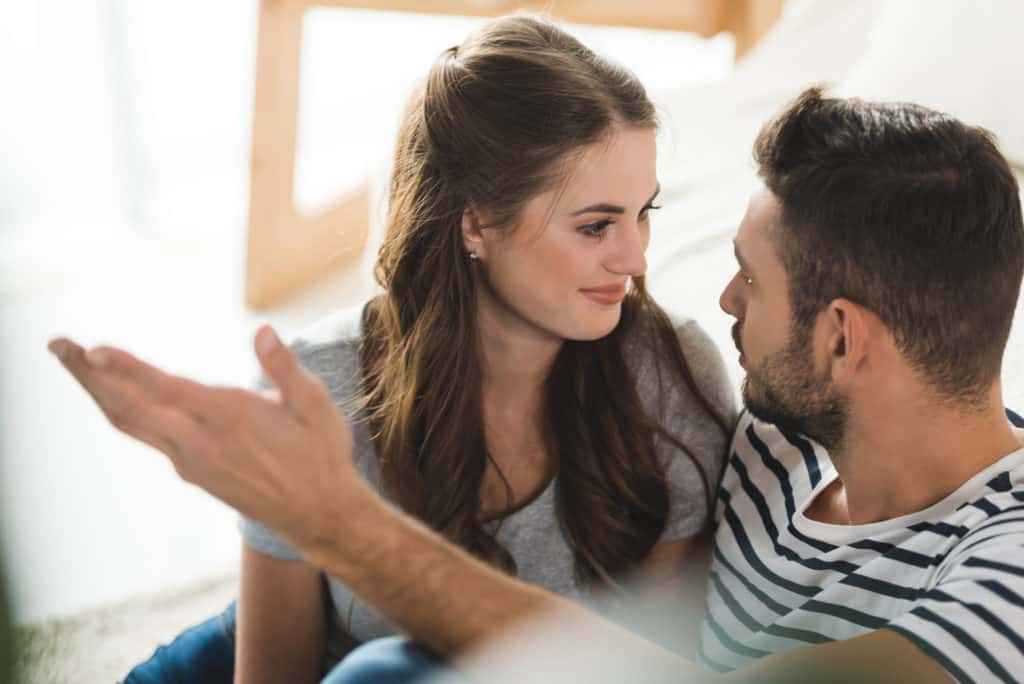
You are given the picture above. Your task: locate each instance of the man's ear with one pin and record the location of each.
(847, 338)
(472, 233)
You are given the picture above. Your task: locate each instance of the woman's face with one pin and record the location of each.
(563, 271)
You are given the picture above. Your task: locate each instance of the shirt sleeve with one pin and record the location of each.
(329, 350)
(972, 622)
(255, 535)
(263, 539)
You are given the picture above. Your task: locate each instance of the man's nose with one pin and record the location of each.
(730, 300)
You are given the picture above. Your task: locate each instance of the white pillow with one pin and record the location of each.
(963, 58)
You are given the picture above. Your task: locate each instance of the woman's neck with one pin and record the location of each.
(515, 356)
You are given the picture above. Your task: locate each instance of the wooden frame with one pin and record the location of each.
(287, 250)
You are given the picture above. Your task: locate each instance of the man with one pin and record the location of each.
(880, 267)
(879, 271)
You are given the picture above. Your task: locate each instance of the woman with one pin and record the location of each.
(515, 387)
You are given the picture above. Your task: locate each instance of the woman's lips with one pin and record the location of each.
(612, 294)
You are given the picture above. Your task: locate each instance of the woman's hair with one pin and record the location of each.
(498, 121)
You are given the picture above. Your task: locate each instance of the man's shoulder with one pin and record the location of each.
(771, 469)
(758, 443)
(990, 514)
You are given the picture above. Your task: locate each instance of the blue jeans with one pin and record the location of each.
(206, 653)
(392, 660)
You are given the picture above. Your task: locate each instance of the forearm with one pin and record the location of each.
(881, 656)
(453, 603)
(242, 448)
(281, 623)
(667, 598)
(439, 594)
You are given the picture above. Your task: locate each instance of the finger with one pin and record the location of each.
(95, 368)
(72, 357)
(167, 430)
(300, 391)
(194, 398)
(164, 427)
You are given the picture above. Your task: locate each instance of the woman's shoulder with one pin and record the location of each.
(694, 342)
(330, 343)
(691, 335)
(340, 327)
(701, 356)
(329, 348)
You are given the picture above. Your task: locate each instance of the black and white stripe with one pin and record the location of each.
(949, 578)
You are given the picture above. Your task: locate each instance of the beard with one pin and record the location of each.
(785, 389)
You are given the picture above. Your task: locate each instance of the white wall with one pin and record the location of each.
(91, 516)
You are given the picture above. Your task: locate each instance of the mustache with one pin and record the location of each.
(736, 336)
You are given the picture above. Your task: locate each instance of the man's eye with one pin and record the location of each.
(596, 229)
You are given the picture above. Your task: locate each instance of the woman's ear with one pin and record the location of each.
(472, 233)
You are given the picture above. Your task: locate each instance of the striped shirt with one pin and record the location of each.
(949, 578)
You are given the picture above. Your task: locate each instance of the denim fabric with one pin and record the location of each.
(204, 653)
(391, 660)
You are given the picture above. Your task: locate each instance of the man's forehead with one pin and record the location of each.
(763, 212)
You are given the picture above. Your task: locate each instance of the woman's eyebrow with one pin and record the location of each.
(601, 208)
(611, 208)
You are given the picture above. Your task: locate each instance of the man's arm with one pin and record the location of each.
(285, 460)
(881, 656)
(440, 595)
(454, 604)
(666, 598)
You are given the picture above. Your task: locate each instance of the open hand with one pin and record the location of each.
(282, 458)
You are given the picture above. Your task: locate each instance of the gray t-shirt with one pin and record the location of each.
(531, 534)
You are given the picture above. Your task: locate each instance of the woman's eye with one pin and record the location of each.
(596, 229)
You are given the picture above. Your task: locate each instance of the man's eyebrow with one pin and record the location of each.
(739, 257)
(612, 208)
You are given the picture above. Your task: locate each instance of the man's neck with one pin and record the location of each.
(903, 457)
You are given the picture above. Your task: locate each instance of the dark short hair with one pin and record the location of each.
(911, 214)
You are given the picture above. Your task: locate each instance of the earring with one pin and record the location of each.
(473, 256)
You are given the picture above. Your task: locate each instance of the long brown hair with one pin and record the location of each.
(496, 123)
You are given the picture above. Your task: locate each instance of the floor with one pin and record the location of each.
(102, 645)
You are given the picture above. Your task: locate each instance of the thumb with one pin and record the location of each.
(299, 390)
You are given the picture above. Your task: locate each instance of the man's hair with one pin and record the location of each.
(911, 214)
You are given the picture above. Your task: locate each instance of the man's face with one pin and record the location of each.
(783, 383)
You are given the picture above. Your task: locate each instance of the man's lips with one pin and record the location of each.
(609, 294)
(739, 345)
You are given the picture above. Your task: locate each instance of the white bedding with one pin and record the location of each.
(707, 171)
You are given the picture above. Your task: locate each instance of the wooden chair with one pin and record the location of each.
(287, 250)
